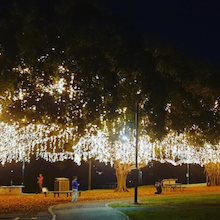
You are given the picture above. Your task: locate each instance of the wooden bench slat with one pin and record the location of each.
(59, 192)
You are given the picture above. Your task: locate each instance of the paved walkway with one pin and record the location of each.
(92, 210)
(97, 210)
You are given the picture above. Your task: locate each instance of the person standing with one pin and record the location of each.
(40, 182)
(75, 189)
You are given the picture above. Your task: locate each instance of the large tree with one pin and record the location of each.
(72, 40)
(191, 98)
(68, 61)
(188, 89)
(71, 64)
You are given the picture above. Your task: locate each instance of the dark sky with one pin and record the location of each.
(193, 26)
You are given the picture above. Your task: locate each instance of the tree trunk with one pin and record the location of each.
(212, 171)
(122, 171)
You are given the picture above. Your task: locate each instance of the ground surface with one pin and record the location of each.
(33, 203)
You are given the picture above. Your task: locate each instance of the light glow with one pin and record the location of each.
(20, 143)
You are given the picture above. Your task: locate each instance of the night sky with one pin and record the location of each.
(192, 26)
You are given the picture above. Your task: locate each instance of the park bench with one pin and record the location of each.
(172, 184)
(67, 192)
(58, 193)
(177, 186)
(110, 185)
(62, 192)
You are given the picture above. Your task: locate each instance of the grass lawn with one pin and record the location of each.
(177, 207)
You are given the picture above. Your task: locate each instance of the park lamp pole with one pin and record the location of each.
(136, 155)
(22, 174)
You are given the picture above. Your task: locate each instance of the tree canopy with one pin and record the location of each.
(74, 41)
(72, 76)
(189, 94)
(71, 64)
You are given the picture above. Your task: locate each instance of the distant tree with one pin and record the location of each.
(212, 174)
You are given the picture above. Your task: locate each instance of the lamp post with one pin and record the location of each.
(125, 138)
(22, 174)
(187, 173)
(90, 175)
(136, 155)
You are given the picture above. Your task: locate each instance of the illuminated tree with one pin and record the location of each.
(191, 98)
(67, 70)
(53, 143)
(212, 174)
(74, 41)
(73, 69)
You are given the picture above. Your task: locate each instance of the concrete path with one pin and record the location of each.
(97, 210)
(34, 216)
(92, 210)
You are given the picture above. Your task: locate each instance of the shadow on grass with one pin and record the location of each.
(189, 207)
(177, 214)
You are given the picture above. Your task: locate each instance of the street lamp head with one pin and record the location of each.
(124, 138)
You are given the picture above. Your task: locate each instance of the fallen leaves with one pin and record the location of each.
(33, 203)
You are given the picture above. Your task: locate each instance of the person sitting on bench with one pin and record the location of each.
(158, 186)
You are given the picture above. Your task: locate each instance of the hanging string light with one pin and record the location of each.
(55, 143)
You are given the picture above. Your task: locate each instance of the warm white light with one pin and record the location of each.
(19, 143)
(105, 143)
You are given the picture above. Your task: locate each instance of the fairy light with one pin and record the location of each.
(21, 70)
(73, 101)
(19, 143)
(215, 107)
(58, 86)
(168, 107)
(62, 69)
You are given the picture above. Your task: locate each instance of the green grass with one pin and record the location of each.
(176, 214)
(175, 208)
